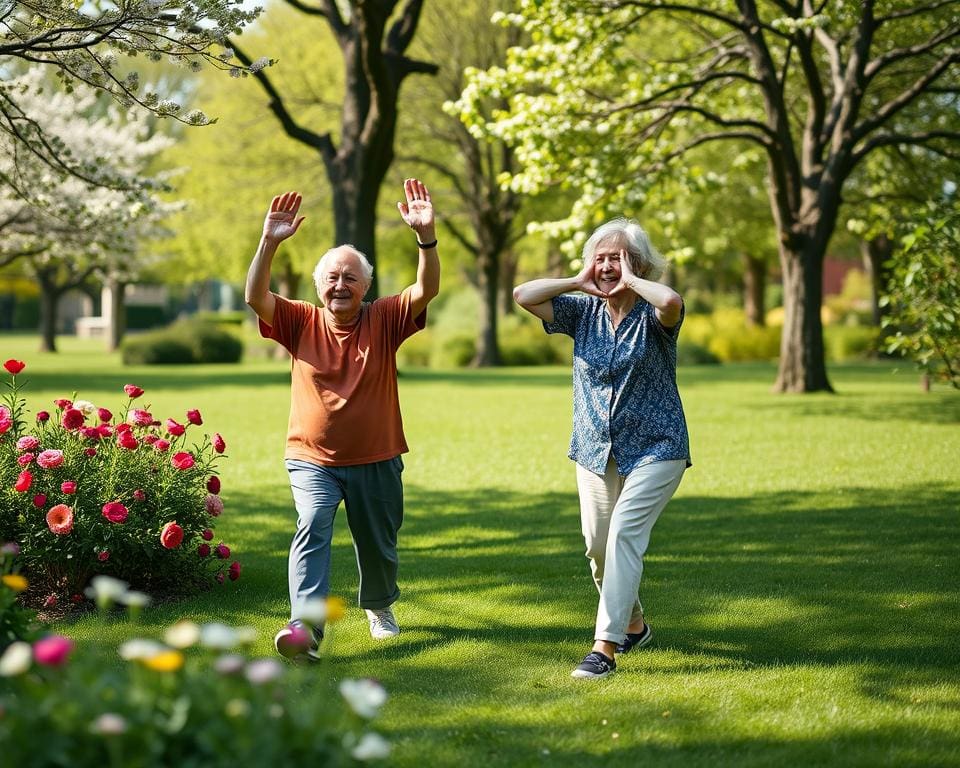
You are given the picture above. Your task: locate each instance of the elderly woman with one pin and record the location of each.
(629, 433)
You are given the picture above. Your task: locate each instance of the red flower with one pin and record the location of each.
(90, 452)
(223, 551)
(203, 550)
(52, 651)
(139, 495)
(68, 487)
(150, 439)
(128, 441)
(122, 427)
(213, 484)
(50, 459)
(6, 419)
(171, 535)
(43, 416)
(220, 577)
(133, 391)
(141, 417)
(51, 601)
(115, 512)
(234, 571)
(105, 430)
(104, 415)
(76, 599)
(25, 458)
(60, 519)
(174, 428)
(91, 433)
(182, 460)
(206, 534)
(72, 418)
(218, 443)
(103, 555)
(24, 481)
(62, 403)
(193, 416)
(39, 500)
(14, 366)
(161, 445)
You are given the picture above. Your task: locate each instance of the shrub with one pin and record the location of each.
(726, 335)
(524, 342)
(210, 344)
(157, 348)
(689, 353)
(186, 341)
(84, 492)
(16, 621)
(195, 699)
(850, 342)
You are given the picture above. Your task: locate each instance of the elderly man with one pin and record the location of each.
(345, 434)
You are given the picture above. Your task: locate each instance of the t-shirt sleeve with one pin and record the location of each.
(668, 334)
(567, 311)
(289, 318)
(398, 317)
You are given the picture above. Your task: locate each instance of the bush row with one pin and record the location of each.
(186, 341)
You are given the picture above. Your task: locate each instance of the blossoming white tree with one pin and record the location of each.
(64, 232)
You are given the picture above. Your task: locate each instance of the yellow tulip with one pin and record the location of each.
(15, 581)
(165, 661)
(336, 609)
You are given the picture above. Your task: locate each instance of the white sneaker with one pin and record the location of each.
(383, 624)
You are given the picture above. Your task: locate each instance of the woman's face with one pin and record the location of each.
(606, 265)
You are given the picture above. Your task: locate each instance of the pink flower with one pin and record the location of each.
(223, 551)
(28, 443)
(68, 487)
(171, 535)
(52, 651)
(6, 419)
(193, 416)
(206, 534)
(150, 439)
(213, 484)
(14, 366)
(10, 548)
(203, 550)
(218, 443)
(213, 504)
(50, 459)
(39, 500)
(234, 571)
(128, 441)
(43, 416)
(51, 601)
(91, 433)
(161, 445)
(122, 427)
(141, 417)
(62, 403)
(104, 415)
(25, 458)
(103, 555)
(60, 519)
(133, 391)
(139, 495)
(174, 428)
(220, 577)
(90, 452)
(105, 430)
(115, 512)
(72, 418)
(182, 460)
(24, 481)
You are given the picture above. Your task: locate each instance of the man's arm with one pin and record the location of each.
(280, 223)
(417, 213)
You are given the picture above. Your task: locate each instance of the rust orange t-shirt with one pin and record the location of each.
(344, 404)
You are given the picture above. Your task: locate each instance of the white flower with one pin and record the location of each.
(365, 697)
(106, 590)
(134, 599)
(259, 64)
(16, 659)
(139, 649)
(218, 636)
(246, 635)
(372, 746)
(314, 611)
(109, 724)
(183, 634)
(229, 663)
(263, 671)
(86, 406)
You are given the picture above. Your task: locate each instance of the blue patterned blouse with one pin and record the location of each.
(625, 397)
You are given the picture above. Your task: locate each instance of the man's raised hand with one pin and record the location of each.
(417, 212)
(282, 220)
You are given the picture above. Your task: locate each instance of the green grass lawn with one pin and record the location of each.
(802, 585)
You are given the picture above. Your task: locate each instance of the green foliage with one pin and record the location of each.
(196, 698)
(851, 342)
(17, 622)
(690, 353)
(923, 297)
(186, 341)
(85, 492)
(726, 335)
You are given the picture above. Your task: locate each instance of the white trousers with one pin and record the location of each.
(617, 515)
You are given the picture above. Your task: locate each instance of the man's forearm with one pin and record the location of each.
(258, 275)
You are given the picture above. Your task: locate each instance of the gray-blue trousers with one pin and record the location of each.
(373, 497)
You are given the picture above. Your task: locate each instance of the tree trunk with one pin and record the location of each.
(49, 302)
(488, 277)
(802, 362)
(876, 254)
(113, 307)
(289, 284)
(508, 278)
(754, 289)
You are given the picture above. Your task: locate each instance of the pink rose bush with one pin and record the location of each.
(87, 489)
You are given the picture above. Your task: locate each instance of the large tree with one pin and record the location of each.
(612, 92)
(373, 37)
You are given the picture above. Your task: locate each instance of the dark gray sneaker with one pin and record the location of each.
(636, 640)
(594, 666)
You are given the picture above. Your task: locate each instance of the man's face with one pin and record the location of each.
(343, 284)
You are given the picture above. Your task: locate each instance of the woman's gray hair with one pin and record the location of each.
(365, 266)
(645, 260)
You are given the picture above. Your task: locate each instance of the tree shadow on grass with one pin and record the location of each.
(155, 379)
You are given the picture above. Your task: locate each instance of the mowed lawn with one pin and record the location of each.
(802, 585)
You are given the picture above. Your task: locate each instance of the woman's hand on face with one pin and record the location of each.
(586, 281)
(626, 275)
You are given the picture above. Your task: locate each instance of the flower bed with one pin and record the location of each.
(85, 492)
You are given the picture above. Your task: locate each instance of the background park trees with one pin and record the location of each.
(817, 87)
